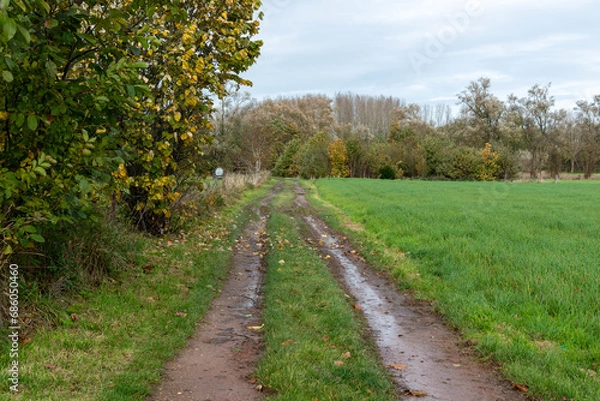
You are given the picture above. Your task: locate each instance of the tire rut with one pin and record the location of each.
(219, 360)
(421, 353)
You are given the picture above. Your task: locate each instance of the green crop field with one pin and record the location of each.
(514, 266)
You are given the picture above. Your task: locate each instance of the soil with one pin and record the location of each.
(425, 358)
(218, 363)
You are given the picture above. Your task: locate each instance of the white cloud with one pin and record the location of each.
(326, 46)
(514, 48)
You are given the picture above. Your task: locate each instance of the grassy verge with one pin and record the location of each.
(514, 266)
(112, 344)
(314, 349)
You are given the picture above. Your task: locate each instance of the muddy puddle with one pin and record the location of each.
(421, 353)
(218, 363)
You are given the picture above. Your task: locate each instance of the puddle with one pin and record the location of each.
(428, 362)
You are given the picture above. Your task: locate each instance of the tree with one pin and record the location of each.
(535, 120)
(68, 81)
(338, 158)
(109, 97)
(483, 113)
(314, 162)
(588, 116)
(195, 49)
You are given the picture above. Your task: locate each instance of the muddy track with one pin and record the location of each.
(423, 356)
(218, 363)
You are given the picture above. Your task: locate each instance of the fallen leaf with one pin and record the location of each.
(74, 317)
(347, 355)
(521, 387)
(288, 342)
(180, 314)
(255, 328)
(282, 262)
(338, 363)
(398, 367)
(417, 393)
(357, 307)
(50, 366)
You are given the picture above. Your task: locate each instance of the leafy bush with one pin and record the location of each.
(387, 173)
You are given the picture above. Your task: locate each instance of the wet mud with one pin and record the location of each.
(422, 354)
(218, 363)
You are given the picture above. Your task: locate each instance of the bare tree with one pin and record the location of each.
(534, 118)
(588, 118)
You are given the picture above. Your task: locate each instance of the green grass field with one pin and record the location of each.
(515, 266)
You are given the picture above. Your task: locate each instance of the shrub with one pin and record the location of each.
(387, 173)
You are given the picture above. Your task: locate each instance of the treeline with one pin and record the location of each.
(384, 137)
(109, 104)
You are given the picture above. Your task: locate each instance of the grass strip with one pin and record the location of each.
(118, 337)
(314, 348)
(513, 265)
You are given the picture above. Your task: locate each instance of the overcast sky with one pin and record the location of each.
(428, 50)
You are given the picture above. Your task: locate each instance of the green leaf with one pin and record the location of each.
(32, 122)
(44, 5)
(8, 250)
(37, 238)
(24, 33)
(4, 4)
(8, 76)
(20, 120)
(40, 171)
(20, 4)
(130, 90)
(29, 229)
(139, 64)
(51, 68)
(9, 29)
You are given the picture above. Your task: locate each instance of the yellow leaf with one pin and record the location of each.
(177, 116)
(3, 115)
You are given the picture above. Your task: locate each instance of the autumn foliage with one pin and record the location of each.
(104, 101)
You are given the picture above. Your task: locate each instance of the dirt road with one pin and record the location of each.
(218, 363)
(423, 355)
